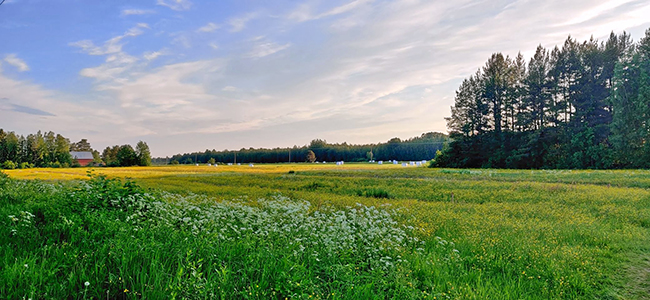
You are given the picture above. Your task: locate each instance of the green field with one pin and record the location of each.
(307, 231)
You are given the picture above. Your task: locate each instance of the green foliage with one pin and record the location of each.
(579, 106)
(9, 165)
(448, 233)
(374, 193)
(418, 148)
(75, 164)
(143, 154)
(125, 155)
(25, 165)
(83, 145)
(34, 149)
(127, 243)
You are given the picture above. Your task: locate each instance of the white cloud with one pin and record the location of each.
(117, 62)
(229, 88)
(128, 12)
(366, 71)
(264, 48)
(151, 55)
(112, 45)
(238, 24)
(18, 63)
(181, 39)
(210, 27)
(178, 5)
(303, 12)
(27, 107)
(595, 11)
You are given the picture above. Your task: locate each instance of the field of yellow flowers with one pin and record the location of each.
(322, 231)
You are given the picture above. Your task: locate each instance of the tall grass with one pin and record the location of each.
(321, 233)
(128, 243)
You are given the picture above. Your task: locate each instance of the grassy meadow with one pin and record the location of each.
(321, 231)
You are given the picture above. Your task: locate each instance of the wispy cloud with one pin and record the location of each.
(178, 5)
(264, 48)
(361, 71)
(239, 23)
(181, 39)
(18, 63)
(112, 45)
(151, 55)
(304, 11)
(117, 61)
(34, 108)
(210, 27)
(129, 12)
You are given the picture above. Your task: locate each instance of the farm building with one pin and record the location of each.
(83, 157)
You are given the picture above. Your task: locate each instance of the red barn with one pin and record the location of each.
(84, 158)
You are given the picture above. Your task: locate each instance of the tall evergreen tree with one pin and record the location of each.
(538, 94)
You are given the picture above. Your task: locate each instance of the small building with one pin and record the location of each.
(83, 157)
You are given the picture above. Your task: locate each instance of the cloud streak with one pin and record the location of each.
(239, 23)
(210, 27)
(177, 5)
(129, 12)
(16, 62)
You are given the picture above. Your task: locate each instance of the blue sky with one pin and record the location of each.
(189, 75)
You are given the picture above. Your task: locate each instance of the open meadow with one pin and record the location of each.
(322, 231)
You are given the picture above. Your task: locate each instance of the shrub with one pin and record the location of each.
(75, 164)
(25, 165)
(9, 165)
(374, 193)
(55, 164)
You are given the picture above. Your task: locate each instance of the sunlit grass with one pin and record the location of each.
(502, 234)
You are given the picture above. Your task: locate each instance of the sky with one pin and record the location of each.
(190, 75)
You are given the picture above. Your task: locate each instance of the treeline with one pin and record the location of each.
(125, 155)
(52, 150)
(584, 105)
(423, 147)
(34, 150)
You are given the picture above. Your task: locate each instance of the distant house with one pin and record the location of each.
(83, 157)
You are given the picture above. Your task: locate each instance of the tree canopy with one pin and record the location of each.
(34, 150)
(423, 147)
(581, 105)
(125, 155)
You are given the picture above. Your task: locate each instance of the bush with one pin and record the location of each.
(25, 165)
(9, 165)
(55, 164)
(374, 193)
(75, 164)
